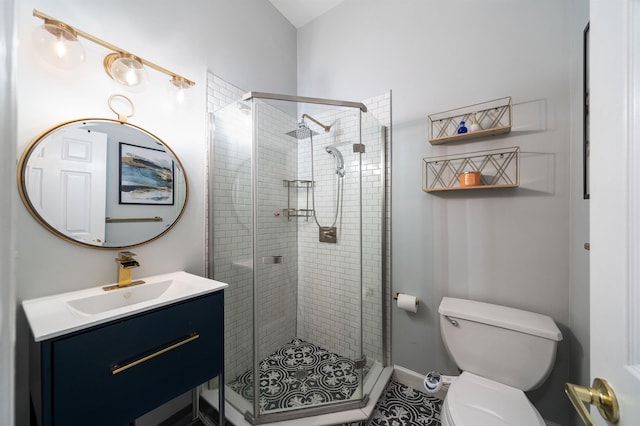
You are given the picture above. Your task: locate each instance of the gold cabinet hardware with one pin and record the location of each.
(587, 246)
(119, 369)
(600, 394)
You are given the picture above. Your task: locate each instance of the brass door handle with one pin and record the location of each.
(600, 394)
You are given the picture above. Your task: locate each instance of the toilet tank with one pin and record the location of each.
(510, 346)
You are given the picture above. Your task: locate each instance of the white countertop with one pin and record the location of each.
(52, 316)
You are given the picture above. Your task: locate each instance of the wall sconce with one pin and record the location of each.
(58, 44)
(126, 69)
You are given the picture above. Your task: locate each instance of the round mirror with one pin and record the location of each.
(102, 183)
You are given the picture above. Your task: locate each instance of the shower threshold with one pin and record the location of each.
(379, 382)
(304, 377)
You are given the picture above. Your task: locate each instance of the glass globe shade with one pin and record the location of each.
(127, 70)
(58, 45)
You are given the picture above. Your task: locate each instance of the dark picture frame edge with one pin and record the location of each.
(585, 114)
(120, 177)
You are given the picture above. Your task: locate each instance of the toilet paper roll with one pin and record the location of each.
(407, 302)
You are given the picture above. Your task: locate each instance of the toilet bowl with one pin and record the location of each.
(474, 400)
(502, 353)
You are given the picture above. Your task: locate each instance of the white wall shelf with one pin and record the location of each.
(494, 118)
(499, 168)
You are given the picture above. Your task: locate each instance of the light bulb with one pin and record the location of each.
(180, 96)
(181, 84)
(131, 77)
(60, 48)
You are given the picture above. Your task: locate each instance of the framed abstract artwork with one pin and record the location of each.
(146, 175)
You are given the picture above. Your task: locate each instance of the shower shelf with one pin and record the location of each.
(499, 168)
(494, 118)
(295, 184)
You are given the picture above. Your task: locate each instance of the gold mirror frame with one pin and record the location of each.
(178, 166)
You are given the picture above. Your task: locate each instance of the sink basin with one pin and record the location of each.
(53, 316)
(126, 296)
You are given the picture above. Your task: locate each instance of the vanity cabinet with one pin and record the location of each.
(112, 373)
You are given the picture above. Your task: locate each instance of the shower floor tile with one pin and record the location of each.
(300, 374)
(401, 405)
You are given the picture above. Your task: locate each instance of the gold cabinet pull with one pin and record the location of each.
(600, 394)
(119, 369)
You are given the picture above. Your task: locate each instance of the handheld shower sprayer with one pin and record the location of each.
(337, 156)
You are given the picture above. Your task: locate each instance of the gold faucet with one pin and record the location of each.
(126, 263)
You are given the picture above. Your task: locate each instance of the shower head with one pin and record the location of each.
(337, 155)
(302, 132)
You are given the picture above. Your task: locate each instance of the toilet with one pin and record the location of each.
(502, 352)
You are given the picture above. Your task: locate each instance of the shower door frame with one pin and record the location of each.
(256, 417)
(303, 99)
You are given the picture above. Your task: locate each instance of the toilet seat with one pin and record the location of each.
(476, 401)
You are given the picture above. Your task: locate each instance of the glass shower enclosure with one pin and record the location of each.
(296, 222)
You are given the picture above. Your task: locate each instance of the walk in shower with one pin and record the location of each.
(297, 223)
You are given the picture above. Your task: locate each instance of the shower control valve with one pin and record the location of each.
(328, 234)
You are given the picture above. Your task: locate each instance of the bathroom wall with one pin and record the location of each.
(7, 210)
(226, 37)
(510, 247)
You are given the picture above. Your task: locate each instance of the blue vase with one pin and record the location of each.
(462, 128)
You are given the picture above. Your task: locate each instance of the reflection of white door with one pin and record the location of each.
(66, 182)
(615, 202)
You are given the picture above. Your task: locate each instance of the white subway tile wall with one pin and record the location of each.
(276, 283)
(231, 245)
(380, 299)
(315, 293)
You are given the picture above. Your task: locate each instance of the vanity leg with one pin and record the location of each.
(195, 404)
(221, 418)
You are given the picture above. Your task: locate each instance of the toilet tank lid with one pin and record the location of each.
(501, 316)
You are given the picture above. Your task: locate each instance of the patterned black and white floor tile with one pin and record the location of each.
(300, 374)
(402, 406)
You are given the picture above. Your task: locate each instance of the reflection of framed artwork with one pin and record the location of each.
(585, 114)
(146, 175)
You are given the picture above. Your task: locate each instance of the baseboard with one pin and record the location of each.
(408, 377)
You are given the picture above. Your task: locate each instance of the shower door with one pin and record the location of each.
(295, 341)
(308, 293)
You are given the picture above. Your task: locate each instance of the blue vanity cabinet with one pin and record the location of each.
(112, 373)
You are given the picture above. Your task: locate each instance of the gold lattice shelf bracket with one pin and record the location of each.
(493, 117)
(499, 168)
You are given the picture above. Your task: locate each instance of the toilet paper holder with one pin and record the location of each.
(398, 293)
